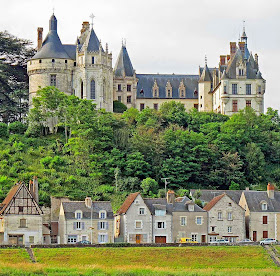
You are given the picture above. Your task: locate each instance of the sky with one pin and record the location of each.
(162, 36)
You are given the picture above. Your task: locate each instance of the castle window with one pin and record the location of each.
(142, 106)
(119, 87)
(128, 99)
(195, 93)
(248, 89)
(82, 90)
(92, 60)
(195, 106)
(182, 90)
(225, 89)
(248, 103)
(234, 106)
(40, 61)
(155, 93)
(128, 88)
(182, 93)
(53, 80)
(155, 89)
(92, 89)
(241, 72)
(53, 60)
(155, 106)
(169, 94)
(168, 90)
(259, 89)
(234, 88)
(75, 63)
(120, 98)
(65, 61)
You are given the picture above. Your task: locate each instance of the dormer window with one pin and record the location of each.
(155, 90)
(182, 90)
(78, 214)
(241, 72)
(168, 90)
(191, 207)
(264, 206)
(160, 212)
(102, 214)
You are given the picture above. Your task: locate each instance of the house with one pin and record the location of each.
(86, 221)
(21, 218)
(226, 219)
(262, 213)
(189, 220)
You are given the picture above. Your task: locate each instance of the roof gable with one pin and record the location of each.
(213, 202)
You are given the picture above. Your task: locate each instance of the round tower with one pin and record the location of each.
(52, 65)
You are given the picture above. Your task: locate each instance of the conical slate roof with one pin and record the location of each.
(259, 75)
(205, 76)
(224, 75)
(123, 66)
(52, 46)
(92, 42)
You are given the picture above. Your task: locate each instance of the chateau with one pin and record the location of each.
(85, 70)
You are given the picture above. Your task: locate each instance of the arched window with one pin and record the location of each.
(82, 90)
(92, 89)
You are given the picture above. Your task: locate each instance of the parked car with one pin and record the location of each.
(187, 240)
(84, 242)
(220, 241)
(245, 241)
(268, 241)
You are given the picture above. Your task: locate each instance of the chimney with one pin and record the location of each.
(85, 26)
(88, 202)
(247, 189)
(270, 191)
(242, 47)
(31, 189)
(36, 189)
(39, 38)
(228, 58)
(232, 48)
(257, 59)
(170, 196)
(222, 60)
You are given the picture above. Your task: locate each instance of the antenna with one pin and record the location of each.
(53, 10)
(243, 25)
(92, 17)
(165, 183)
(205, 59)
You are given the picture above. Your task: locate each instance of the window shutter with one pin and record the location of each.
(107, 225)
(99, 239)
(106, 237)
(98, 226)
(83, 225)
(74, 225)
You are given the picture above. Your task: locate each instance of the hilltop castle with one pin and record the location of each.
(85, 70)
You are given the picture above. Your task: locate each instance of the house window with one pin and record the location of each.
(248, 89)
(128, 88)
(264, 219)
(53, 80)
(92, 89)
(102, 225)
(265, 234)
(72, 239)
(141, 211)
(160, 212)
(84, 238)
(194, 237)
(20, 209)
(92, 60)
(248, 103)
(225, 89)
(128, 100)
(78, 215)
(160, 225)
(142, 106)
(220, 216)
(234, 106)
(102, 238)
(31, 239)
(213, 228)
(119, 87)
(22, 223)
(155, 106)
(191, 207)
(229, 216)
(138, 224)
(229, 204)
(183, 221)
(229, 229)
(78, 225)
(213, 238)
(264, 206)
(120, 98)
(102, 214)
(234, 88)
(198, 220)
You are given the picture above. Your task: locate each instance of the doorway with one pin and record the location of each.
(138, 238)
(160, 239)
(16, 239)
(254, 236)
(203, 238)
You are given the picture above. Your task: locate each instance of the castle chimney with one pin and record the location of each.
(222, 60)
(85, 26)
(39, 38)
(257, 59)
(270, 191)
(35, 189)
(88, 202)
(242, 47)
(232, 48)
(170, 196)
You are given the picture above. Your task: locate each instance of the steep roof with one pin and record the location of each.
(206, 75)
(9, 197)
(52, 46)
(72, 206)
(70, 49)
(92, 42)
(213, 202)
(255, 198)
(127, 203)
(123, 67)
(157, 204)
(182, 205)
(146, 83)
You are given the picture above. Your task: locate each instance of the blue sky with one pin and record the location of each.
(162, 36)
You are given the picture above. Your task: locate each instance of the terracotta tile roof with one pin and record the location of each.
(9, 197)
(213, 202)
(129, 200)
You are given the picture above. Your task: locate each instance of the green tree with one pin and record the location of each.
(149, 186)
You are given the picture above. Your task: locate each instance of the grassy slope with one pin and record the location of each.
(140, 261)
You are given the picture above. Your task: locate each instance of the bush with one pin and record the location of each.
(119, 107)
(46, 161)
(17, 128)
(3, 130)
(149, 186)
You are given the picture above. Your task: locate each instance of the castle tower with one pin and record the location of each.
(125, 81)
(93, 76)
(52, 65)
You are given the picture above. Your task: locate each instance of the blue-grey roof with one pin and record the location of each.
(70, 49)
(206, 75)
(123, 67)
(156, 203)
(92, 42)
(146, 83)
(182, 205)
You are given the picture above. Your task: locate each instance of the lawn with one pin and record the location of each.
(251, 260)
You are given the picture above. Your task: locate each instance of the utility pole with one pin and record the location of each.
(165, 183)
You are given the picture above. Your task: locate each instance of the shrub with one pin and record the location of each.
(46, 161)
(17, 128)
(3, 130)
(119, 107)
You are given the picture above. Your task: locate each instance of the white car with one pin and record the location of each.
(268, 241)
(221, 241)
(245, 241)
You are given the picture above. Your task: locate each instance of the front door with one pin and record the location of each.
(254, 235)
(138, 238)
(203, 238)
(16, 239)
(160, 239)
